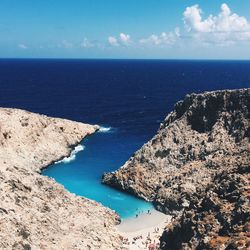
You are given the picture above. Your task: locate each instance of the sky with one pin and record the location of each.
(130, 29)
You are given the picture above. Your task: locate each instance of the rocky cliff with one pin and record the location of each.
(197, 168)
(35, 211)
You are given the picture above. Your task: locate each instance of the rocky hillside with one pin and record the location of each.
(35, 211)
(197, 168)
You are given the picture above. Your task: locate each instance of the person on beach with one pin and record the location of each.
(152, 246)
(149, 235)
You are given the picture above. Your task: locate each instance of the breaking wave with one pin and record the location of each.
(72, 156)
(105, 129)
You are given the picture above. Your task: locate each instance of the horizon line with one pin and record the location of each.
(121, 59)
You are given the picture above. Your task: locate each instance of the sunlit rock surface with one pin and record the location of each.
(35, 211)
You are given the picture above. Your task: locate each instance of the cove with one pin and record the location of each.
(104, 151)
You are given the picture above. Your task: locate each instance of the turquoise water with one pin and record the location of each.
(81, 173)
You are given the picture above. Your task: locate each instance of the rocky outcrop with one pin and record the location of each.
(197, 169)
(35, 211)
(218, 217)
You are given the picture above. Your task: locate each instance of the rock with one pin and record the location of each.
(197, 168)
(35, 211)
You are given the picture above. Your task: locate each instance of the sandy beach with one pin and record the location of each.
(144, 231)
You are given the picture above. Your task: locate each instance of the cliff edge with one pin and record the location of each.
(197, 168)
(35, 211)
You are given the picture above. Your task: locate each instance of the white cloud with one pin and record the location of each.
(87, 44)
(153, 39)
(113, 41)
(22, 46)
(225, 28)
(163, 39)
(65, 44)
(125, 39)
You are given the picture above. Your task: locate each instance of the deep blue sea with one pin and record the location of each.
(131, 97)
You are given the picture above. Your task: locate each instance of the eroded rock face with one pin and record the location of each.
(35, 211)
(218, 217)
(197, 168)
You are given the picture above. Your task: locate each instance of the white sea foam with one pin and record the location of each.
(72, 156)
(105, 129)
(78, 148)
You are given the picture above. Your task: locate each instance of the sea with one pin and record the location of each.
(127, 98)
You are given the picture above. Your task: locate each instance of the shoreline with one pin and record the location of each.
(71, 148)
(144, 230)
(137, 232)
